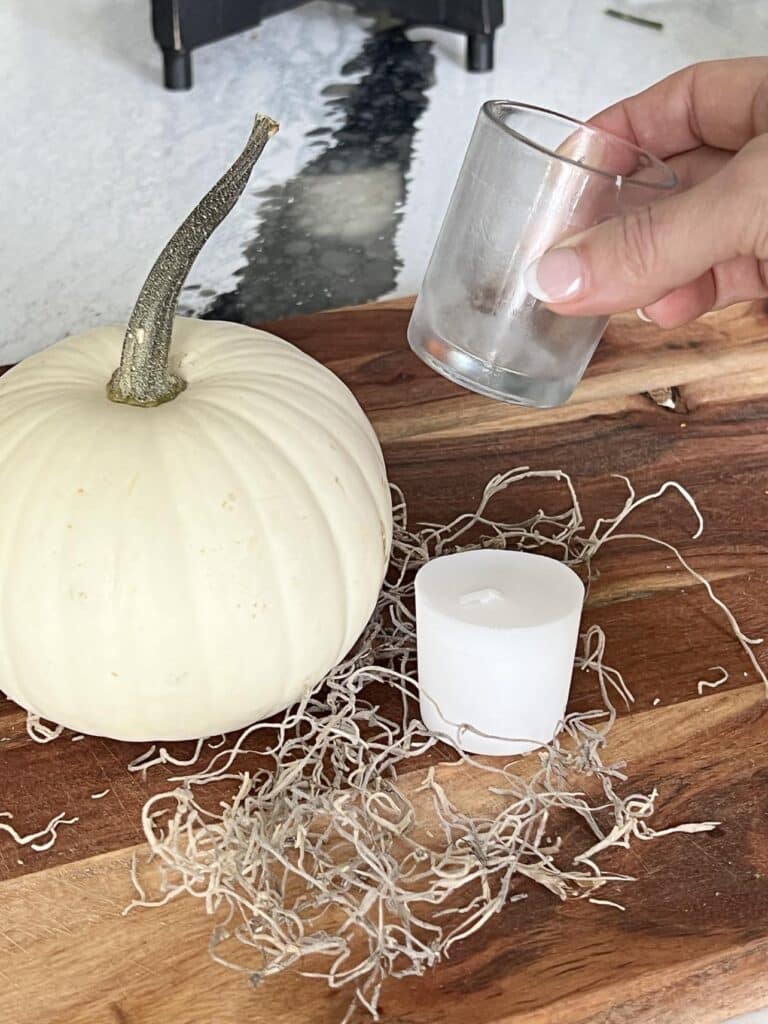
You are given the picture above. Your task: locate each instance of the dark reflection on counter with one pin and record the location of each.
(327, 236)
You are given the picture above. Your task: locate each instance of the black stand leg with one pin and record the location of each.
(180, 26)
(480, 52)
(178, 69)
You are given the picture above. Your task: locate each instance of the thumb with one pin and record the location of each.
(633, 260)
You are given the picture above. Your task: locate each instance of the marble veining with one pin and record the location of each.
(337, 218)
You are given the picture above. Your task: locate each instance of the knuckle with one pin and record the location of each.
(748, 184)
(638, 244)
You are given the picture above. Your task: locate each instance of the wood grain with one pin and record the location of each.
(693, 942)
(697, 909)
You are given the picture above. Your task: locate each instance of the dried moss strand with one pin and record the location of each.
(747, 643)
(38, 841)
(39, 731)
(325, 850)
(712, 684)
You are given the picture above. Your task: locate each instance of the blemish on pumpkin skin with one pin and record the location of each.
(80, 491)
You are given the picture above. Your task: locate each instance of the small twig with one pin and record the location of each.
(606, 903)
(635, 19)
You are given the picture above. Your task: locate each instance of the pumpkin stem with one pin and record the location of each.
(143, 377)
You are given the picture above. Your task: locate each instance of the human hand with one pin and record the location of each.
(703, 247)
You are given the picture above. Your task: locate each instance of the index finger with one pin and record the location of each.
(720, 103)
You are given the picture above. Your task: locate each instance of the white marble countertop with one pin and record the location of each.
(100, 163)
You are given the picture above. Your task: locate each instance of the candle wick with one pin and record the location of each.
(488, 595)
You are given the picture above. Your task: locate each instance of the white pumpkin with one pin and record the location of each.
(186, 568)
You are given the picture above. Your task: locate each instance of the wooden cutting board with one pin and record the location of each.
(692, 945)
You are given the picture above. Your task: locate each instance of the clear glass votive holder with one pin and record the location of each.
(530, 179)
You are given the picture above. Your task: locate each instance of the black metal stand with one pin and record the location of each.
(177, 68)
(182, 25)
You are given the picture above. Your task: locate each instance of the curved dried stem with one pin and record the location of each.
(143, 377)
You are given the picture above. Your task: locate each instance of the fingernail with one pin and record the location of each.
(555, 276)
(644, 316)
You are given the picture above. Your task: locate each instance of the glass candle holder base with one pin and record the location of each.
(489, 379)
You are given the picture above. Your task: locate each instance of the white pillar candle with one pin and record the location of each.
(496, 634)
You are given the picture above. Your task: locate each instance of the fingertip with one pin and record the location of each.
(556, 276)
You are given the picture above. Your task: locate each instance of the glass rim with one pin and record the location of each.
(490, 108)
